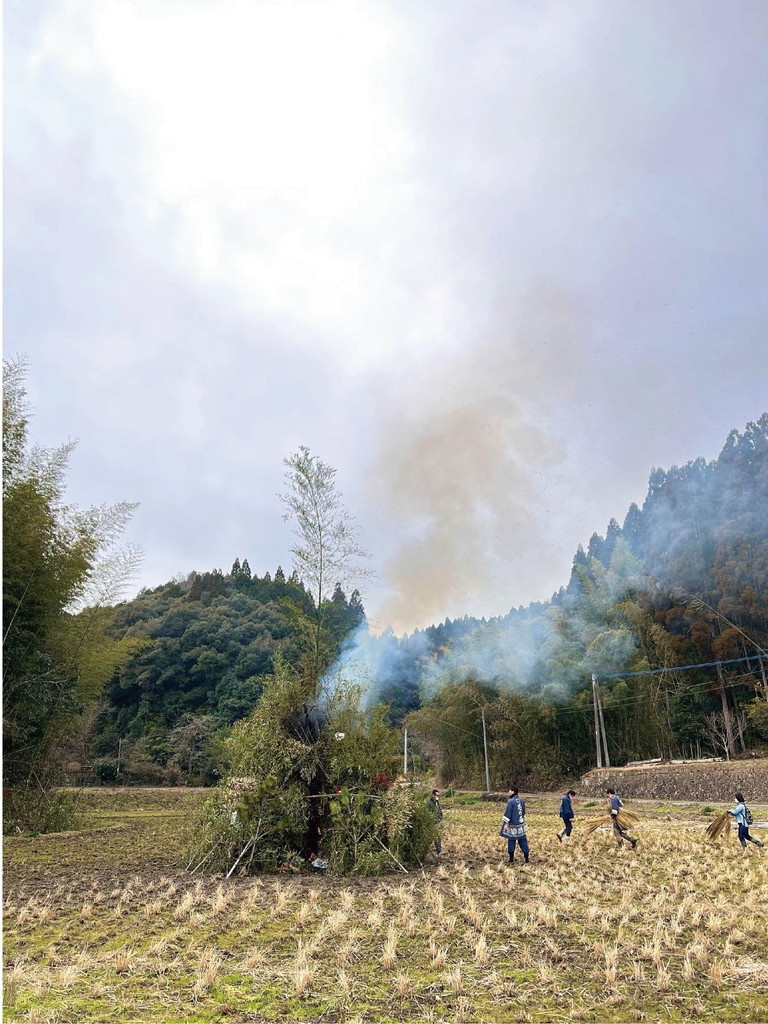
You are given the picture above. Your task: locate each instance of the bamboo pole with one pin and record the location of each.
(242, 854)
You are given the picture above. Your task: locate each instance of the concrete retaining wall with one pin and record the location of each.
(717, 780)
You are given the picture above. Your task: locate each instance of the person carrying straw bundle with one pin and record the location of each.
(618, 818)
(618, 822)
(615, 804)
(743, 817)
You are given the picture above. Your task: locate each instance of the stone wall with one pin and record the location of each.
(717, 780)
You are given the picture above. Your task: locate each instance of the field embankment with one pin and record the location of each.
(712, 780)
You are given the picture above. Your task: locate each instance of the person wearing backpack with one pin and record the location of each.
(743, 817)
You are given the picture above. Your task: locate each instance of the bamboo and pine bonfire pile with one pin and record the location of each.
(626, 819)
(250, 825)
(312, 786)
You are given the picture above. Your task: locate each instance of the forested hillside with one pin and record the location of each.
(683, 581)
(207, 643)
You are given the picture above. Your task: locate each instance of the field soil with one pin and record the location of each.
(105, 925)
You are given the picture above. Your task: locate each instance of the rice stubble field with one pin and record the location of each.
(104, 925)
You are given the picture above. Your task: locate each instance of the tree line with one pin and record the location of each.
(684, 581)
(150, 689)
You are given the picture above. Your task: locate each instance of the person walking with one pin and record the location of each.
(743, 820)
(434, 805)
(566, 813)
(615, 804)
(513, 825)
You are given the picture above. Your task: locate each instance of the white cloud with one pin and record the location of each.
(268, 130)
(234, 227)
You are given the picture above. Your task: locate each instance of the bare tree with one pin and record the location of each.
(718, 729)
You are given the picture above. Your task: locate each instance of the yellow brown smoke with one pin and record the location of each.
(462, 472)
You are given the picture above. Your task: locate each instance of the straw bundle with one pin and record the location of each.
(627, 819)
(716, 828)
(593, 824)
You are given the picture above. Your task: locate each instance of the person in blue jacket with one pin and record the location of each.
(739, 812)
(513, 825)
(566, 813)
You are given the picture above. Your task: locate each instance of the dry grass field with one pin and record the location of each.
(104, 925)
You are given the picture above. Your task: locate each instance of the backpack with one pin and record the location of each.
(748, 819)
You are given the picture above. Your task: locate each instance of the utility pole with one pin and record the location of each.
(485, 751)
(761, 663)
(727, 719)
(405, 754)
(602, 725)
(597, 722)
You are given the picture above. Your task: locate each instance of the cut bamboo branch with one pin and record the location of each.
(242, 854)
(394, 858)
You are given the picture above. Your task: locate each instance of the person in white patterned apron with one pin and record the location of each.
(513, 825)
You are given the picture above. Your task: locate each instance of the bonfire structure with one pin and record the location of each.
(312, 783)
(312, 770)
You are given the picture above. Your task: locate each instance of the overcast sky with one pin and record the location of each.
(492, 260)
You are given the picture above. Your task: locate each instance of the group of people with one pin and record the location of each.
(514, 831)
(513, 822)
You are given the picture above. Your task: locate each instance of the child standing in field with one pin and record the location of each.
(615, 804)
(743, 820)
(513, 825)
(566, 813)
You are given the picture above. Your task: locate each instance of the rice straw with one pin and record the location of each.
(716, 828)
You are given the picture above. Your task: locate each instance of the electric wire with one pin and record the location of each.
(680, 668)
(636, 698)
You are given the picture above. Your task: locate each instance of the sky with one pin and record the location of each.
(493, 261)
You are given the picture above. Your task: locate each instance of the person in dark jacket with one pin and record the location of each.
(615, 804)
(566, 813)
(513, 825)
(434, 805)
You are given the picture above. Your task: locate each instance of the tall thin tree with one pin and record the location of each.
(327, 551)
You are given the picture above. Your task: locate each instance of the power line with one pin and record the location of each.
(636, 699)
(645, 696)
(680, 668)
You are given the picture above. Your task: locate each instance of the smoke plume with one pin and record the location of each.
(462, 470)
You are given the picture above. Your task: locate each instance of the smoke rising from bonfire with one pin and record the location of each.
(461, 473)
